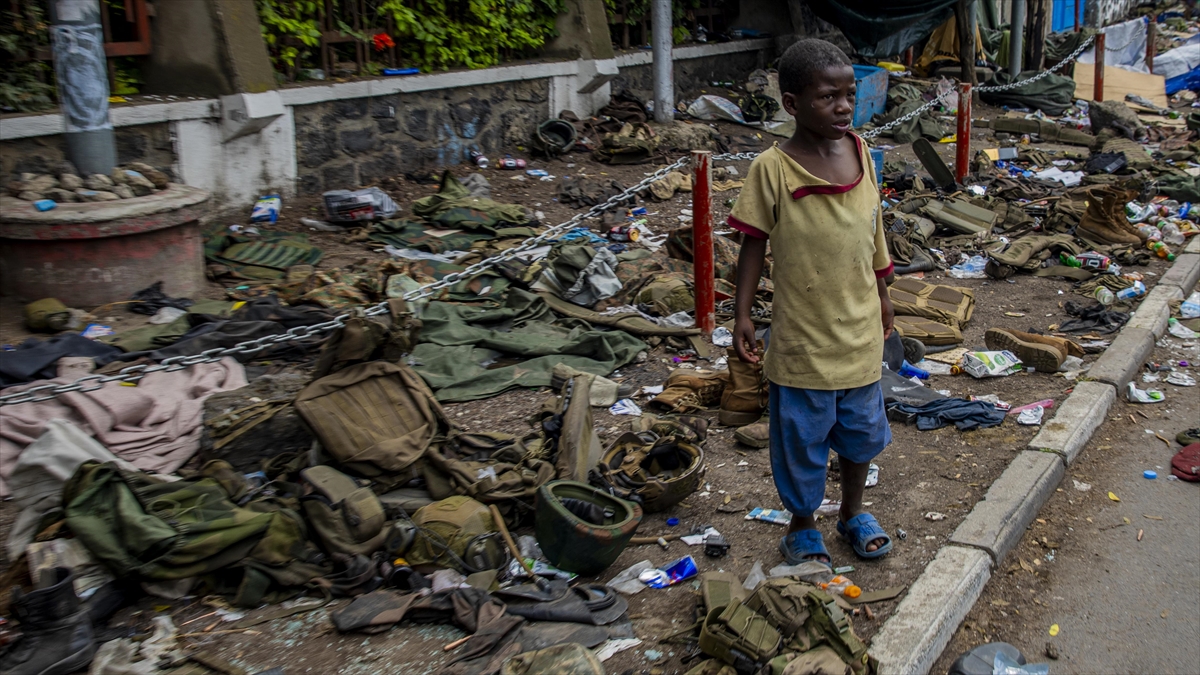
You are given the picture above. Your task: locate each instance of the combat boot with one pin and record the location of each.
(745, 398)
(691, 390)
(1043, 352)
(1104, 221)
(757, 435)
(56, 635)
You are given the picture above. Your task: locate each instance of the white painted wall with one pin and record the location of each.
(240, 170)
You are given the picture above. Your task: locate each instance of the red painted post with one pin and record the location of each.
(908, 57)
(702, 241)
(1098, 86)
(1151, 47)
(962, 144)
(1075, 15)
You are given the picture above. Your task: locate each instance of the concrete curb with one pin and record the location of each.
(922, 625)
(913, 638)
(1076, 420)
(997, 522)
(1120, 363)
(1184, 273)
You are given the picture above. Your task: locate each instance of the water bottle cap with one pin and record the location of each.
(1149, 474)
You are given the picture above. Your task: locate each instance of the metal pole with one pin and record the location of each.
(908, 57)
(664, 68)
(81, 71)
(1151, 47)
(1016, 38)
(1075, 15)
(1098, 86)
(702, 241)
(962, 141)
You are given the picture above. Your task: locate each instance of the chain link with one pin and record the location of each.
(47, 392)
(93, 382)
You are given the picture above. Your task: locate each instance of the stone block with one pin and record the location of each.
(996, 523)
(913, 638)
(1123, 359)
(1077, 418)
(1193, 245)
(358, 141)
(284, 432)
(1184, 273)
(1155, 309)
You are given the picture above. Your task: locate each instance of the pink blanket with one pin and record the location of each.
(155, 426)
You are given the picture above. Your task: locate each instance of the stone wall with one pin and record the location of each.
(349, 143)
(691, 75)
(149, 143)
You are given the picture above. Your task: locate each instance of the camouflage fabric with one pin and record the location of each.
(453, 195)
(633, 144)
(148, 529)
(569, 658)
(417, 236)
(266, 256)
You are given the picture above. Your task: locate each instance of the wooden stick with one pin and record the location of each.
(512, 545)
(456, 644)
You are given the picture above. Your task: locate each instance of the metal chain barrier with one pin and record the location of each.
(87, 383)
(94, 382)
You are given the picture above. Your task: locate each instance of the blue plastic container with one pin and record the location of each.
(877, 160)
(871, 99)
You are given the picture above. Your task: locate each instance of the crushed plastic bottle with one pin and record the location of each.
(972, 268)
(843, 586)
(1190, 309)
(1171, 234)
(1150, 232)
(1104, 296)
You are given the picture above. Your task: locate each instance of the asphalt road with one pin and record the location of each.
(1122, 606)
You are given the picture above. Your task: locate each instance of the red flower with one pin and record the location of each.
(382, 41)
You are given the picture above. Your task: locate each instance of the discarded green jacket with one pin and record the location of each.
(456, 340)
(1182, 188)
(453, 195)
(1052, 94)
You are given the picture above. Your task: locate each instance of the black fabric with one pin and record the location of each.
(151, 299)
(1092, 317)
(35, 359)
(964, 414)
(884, 29)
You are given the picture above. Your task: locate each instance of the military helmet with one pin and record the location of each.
(658, 472)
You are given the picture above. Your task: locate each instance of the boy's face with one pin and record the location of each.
(826, 106)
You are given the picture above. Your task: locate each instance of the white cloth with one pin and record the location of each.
(1180, 60)
(1124, 47)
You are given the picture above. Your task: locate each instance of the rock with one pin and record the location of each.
(29, 182)
(97, 181)
(124, 192)
(160, 179)
(1116, 115)
(117, 176)
(96, 195)
(62, 196)
(30, 195)
(66, 167)
(283, 432)
(70, 181)
(140, 185)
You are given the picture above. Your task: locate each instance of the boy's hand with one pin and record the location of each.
(743, 341)
(889, 315)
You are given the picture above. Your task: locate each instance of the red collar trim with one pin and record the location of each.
(835, 189)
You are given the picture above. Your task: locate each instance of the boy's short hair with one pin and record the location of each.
(802, 59)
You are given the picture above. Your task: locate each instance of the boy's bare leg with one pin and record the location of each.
(854, 481)
(802, 523)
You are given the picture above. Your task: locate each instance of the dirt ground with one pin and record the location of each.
(946, 471)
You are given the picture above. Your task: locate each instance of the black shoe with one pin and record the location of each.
(914, 350)
(56, 633)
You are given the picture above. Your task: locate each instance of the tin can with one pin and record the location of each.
(511, 163)
(624, 233)
(479, 159)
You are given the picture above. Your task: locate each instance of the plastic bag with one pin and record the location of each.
(709, 107)
(1190, 309)
(348, 206)
(1006, 666)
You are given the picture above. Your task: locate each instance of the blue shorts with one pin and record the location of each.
(807, 423)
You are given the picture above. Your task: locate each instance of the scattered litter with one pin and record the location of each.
(830, 507)
(1190, 309)
(1181, 331)
(971, 268)
(625, 407)
(994, 400)
(935, 516)
(95, 330)
(675, 572)
(167, 315)
(990, 364)
(1054, 630)
(722, 337)
(755, 577)
(1149, 474)
(615, 646)
(1082, 487)
(777, 516)
(935, 367)
(1135, 395)
(627, 581)
(321, 225)
(1032, 416)
(872, 476)
(1113, 496)
(1181, 379)
(266, 209)
(652, 390)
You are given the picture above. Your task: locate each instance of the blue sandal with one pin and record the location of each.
(862, 530)
(798, 546)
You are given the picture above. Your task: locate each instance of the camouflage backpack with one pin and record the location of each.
(807, 617)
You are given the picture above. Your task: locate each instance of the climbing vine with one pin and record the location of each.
(634, 11)
(25, 85)
(426, 34)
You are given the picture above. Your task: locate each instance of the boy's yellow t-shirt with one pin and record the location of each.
(829, 249)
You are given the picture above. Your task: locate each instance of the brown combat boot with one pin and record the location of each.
(1104, 221)
(1043, 352)
(757, 435)
(745, 398)
(690, 390)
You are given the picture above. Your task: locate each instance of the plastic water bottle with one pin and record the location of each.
(1190, 309)
(842, 585)
(909, 370)
(1105, 296)
(1150, 232)
(1171, 234)
(1137, 290)
(1160, 249)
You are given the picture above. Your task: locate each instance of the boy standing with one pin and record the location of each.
(815, 199)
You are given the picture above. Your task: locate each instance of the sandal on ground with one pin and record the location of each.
(862, 530)
(798, 547)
